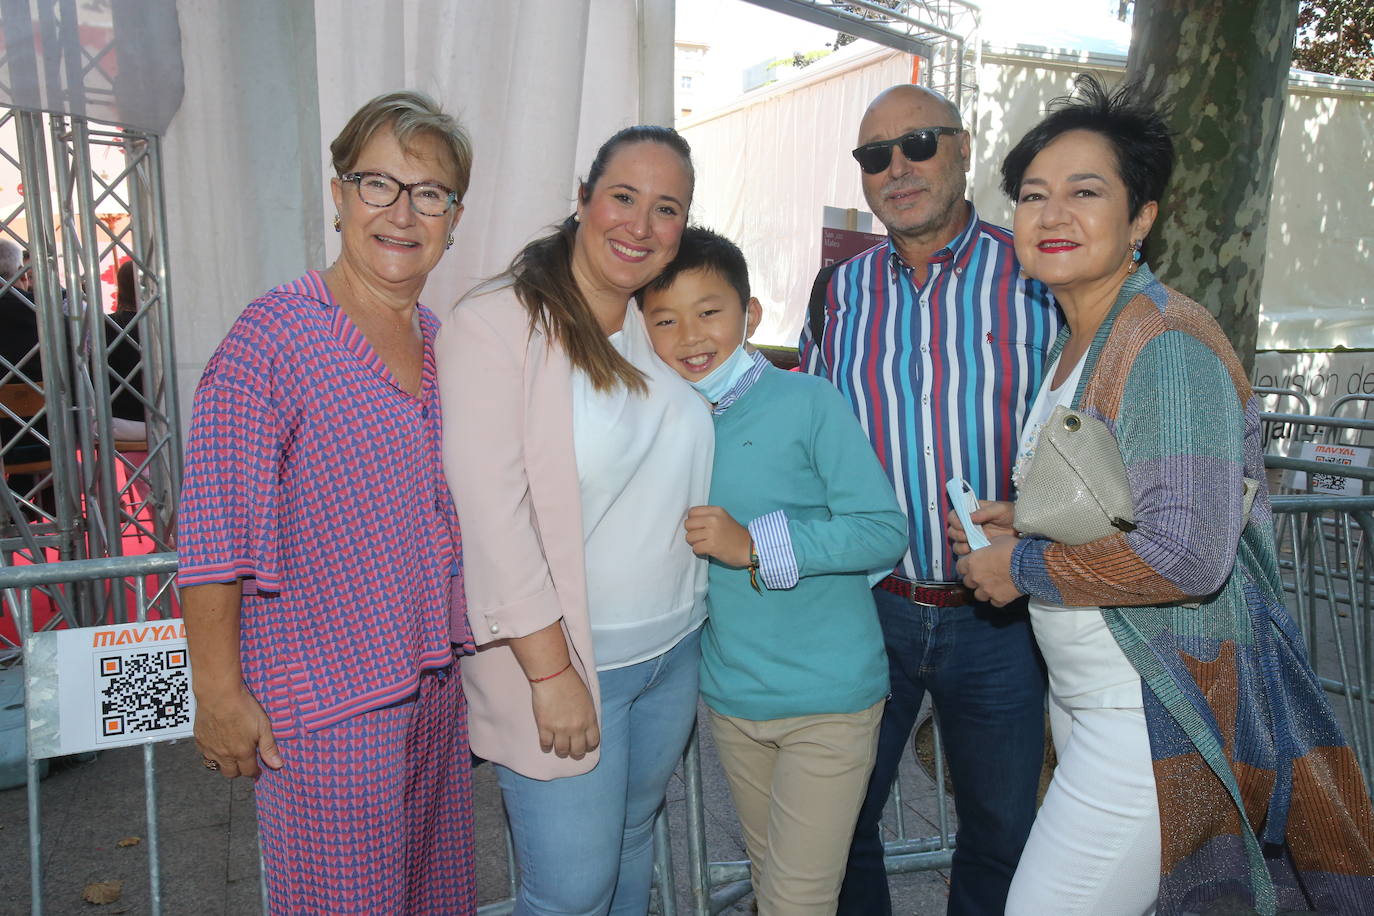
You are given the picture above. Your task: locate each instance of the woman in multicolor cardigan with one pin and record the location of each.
(1198, 758)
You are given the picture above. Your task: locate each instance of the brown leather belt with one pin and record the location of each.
(951, 595)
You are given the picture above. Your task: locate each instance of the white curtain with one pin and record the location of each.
(538, 83)
(240, 167)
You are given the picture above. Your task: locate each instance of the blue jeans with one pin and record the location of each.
(584, 843)
(987, 681)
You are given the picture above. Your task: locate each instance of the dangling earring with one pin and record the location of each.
(1134, 249)
(450, 242)
(338, 223)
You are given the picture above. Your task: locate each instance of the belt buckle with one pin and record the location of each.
(925, 588)
(919, 589)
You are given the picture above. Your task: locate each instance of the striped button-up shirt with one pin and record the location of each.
(941, 374)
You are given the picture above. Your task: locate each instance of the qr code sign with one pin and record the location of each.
(142, 694)
(1329, 483)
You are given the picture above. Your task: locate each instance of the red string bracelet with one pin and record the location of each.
(549, 677)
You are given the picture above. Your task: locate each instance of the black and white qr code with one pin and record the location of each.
(145, 693)
(1330, 483)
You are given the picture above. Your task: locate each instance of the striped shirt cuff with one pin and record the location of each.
(777, 562)
(1029, 573)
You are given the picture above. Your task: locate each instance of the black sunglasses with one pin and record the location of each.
(917, 146)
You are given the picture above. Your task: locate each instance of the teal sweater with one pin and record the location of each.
(790, 442)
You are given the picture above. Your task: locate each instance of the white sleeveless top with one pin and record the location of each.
(1087, 669)
(642, 463)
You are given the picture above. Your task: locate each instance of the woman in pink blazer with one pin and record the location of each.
(573, 455)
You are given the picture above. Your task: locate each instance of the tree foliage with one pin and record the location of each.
(844, 38)
(1336, 37)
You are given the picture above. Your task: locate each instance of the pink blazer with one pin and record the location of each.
(508, 456)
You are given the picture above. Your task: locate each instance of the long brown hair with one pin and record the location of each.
(543, 278)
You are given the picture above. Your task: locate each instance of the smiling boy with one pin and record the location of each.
(793, 668)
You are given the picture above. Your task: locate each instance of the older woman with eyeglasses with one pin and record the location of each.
(319, 547)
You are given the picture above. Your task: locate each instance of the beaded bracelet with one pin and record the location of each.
(549, 677)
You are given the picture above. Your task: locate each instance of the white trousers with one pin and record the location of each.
(1094, 849)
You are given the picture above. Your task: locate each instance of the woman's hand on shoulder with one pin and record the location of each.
(565, 715)
(994, 515)
(988, 571)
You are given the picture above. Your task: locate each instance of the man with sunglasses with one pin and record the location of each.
(939, 345)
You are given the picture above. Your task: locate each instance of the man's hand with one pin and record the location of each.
(994, 515)
(233, 730)
(713, 533)
(565, 716)
(988, 572)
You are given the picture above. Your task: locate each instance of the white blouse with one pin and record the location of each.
(642, 463)
(1087, 669)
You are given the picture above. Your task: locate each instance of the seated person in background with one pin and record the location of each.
(19, 352)
(793, 667)
(125, 360)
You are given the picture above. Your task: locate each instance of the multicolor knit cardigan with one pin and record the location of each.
(1259, 793)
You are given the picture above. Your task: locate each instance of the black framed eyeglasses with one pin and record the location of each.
(378, 189)
(917, 146)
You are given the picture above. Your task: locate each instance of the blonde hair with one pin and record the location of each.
(409, 114)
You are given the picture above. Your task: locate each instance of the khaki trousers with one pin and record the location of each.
(797, 785)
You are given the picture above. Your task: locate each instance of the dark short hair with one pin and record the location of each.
(702, 249)
(639, 133)
(1128, 118)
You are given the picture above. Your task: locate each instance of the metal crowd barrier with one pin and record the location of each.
(1325, 545)
(18, 583)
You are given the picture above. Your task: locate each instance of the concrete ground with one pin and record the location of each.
(209, 858)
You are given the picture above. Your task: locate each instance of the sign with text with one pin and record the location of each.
(1327, 383)
(1338, 456)
(842, 244)
(100, 687)
(845, 233)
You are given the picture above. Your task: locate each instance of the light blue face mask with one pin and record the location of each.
(717, 383)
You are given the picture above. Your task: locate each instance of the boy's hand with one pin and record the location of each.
(713, 533)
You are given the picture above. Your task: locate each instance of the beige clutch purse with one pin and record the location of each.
(1075, 489)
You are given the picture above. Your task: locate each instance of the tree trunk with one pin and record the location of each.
(1223, 67)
